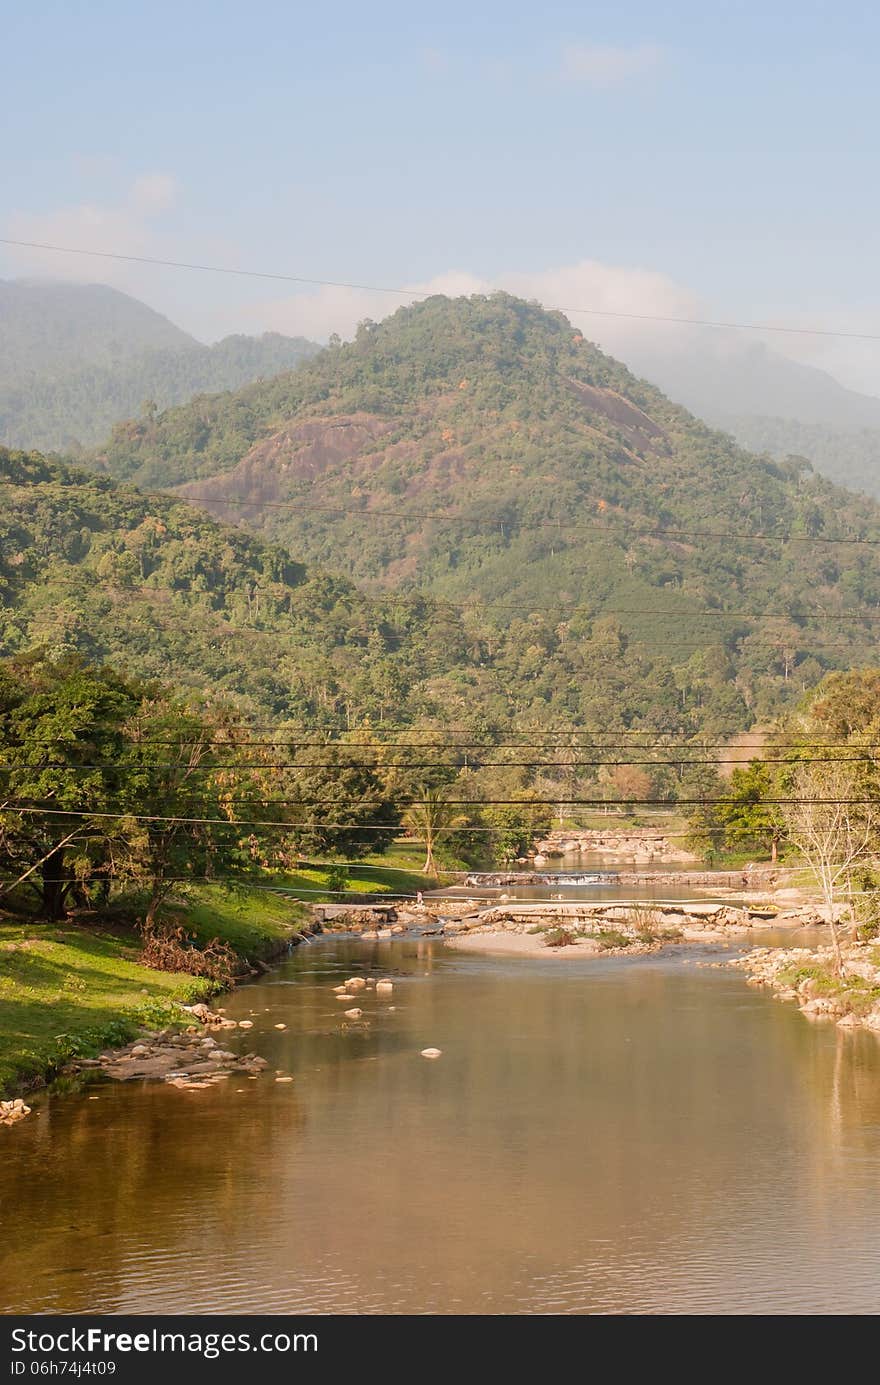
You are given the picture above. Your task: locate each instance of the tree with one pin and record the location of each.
(628, 783)
(515, 827)
(432, 819)
(182, 795)
(751, 817)
(61, 751)
(833, 823)
(334, 802)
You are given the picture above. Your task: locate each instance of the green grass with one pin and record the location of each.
(396, 872)
(658, 819)
(858, 994)
(70, 990)
(252, 921)
(608, 938)
(67, 991)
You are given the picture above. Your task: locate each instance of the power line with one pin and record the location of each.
(487, 745)
(411, 293)
(554, 802)
(514, 526)
(130, 767)
(710, 611)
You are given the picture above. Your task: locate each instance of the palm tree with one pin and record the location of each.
(432, 818)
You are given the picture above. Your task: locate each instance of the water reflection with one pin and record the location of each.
(641, 1135)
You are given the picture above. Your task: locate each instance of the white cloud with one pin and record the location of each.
(318, 312)
(609, 289)
(605, 65)
(152, 193)
(587, 284)
(122, 228)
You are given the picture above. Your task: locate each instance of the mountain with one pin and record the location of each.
(481, 449)
(772, 404)
(849, 456)
(74, 359)
(46, 327)
(155, 587)
(160, 590)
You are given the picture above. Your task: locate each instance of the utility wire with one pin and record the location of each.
(452, 802)
(411, 293)
(514, 526)
(482, 746)
(131, 767)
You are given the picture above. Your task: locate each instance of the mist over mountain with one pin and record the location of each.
(77, 358)
(769, 402)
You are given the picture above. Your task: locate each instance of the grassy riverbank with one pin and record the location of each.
(73, 988)
(396, 872)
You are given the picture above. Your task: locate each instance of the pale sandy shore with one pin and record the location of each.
(505, 942)
(517, 944)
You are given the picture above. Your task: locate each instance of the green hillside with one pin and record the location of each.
(849, 456)
(160, 590)
(47, 326)
(481, 448)
(75, 359)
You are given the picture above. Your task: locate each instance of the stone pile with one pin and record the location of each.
(11, 1112)
(807, 976)
(690, 920)
(191, 1060)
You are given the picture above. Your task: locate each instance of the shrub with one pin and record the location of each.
(167, 948)
(337, 880)
(560, 937)
(609, 938)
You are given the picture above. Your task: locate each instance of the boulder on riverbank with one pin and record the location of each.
(190, 1059)
(809, 977)
(11, 1112)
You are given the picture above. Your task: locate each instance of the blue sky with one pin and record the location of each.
(700, 157)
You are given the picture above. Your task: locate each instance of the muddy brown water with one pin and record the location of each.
(644, 1135)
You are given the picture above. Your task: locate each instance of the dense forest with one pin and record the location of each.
(481, 449)
(146, 582)
(75, 359)
(849, 456)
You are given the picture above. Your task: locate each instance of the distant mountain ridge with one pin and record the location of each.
(77, 358)
(772, 403)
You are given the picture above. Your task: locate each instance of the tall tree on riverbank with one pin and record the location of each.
(62, 747)
(832, 817)
(432, 818)
(182, 799)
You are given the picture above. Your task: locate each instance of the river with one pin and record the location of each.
(611, 1136)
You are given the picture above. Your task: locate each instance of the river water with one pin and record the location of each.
(590, 876)
(620, 1135)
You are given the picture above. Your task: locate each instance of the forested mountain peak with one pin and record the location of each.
(482, 448)
(77, 358)
(45, 325)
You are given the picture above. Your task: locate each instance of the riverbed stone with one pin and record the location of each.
(11, 1112)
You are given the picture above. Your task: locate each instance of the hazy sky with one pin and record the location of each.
(674, 157)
